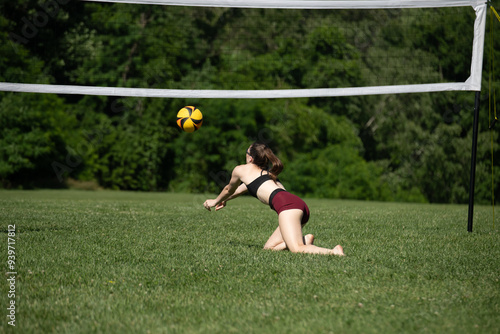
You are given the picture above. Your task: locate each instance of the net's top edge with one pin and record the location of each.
(308, 4)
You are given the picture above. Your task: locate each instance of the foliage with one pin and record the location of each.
(410, 147)
(35, 130)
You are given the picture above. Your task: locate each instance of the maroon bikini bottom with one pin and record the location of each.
(281, 200)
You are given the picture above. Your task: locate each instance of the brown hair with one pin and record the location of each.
(265, 158)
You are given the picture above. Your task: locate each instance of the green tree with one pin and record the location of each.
(36, 128)
(35, 132)
(410, 147)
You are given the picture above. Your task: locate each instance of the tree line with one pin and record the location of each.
(406, 147)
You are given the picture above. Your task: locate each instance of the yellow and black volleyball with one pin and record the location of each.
(189, 119)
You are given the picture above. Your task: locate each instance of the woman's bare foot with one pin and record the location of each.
(338, 250)
(309, 239)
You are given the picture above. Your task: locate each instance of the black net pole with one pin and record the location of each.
(473, 161)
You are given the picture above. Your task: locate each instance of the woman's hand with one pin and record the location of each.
(220, 206)
(209, 203)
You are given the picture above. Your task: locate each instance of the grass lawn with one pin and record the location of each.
(123, 262)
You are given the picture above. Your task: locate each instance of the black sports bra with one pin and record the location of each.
(255, 184)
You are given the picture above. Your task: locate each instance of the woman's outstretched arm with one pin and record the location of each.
(239, 191)
(227, 193)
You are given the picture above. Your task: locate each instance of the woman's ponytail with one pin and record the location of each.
(265, 158)
(277, 165)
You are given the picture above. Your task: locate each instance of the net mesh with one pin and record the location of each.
(325, 52)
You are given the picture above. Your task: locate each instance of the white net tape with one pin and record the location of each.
(308, 4)
(234, 94)
(473, 83)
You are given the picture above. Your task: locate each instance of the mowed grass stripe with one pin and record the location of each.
(124, 262)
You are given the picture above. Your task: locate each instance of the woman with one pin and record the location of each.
(262, 183)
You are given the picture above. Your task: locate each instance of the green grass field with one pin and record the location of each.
(122, 262)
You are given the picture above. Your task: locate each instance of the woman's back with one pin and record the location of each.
(251, 173)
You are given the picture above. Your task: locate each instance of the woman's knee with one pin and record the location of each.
(267, 246)
(272, 244)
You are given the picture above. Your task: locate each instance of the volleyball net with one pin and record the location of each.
(391, 82)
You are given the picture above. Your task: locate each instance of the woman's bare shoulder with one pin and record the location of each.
(246, 172)
(240, 170)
